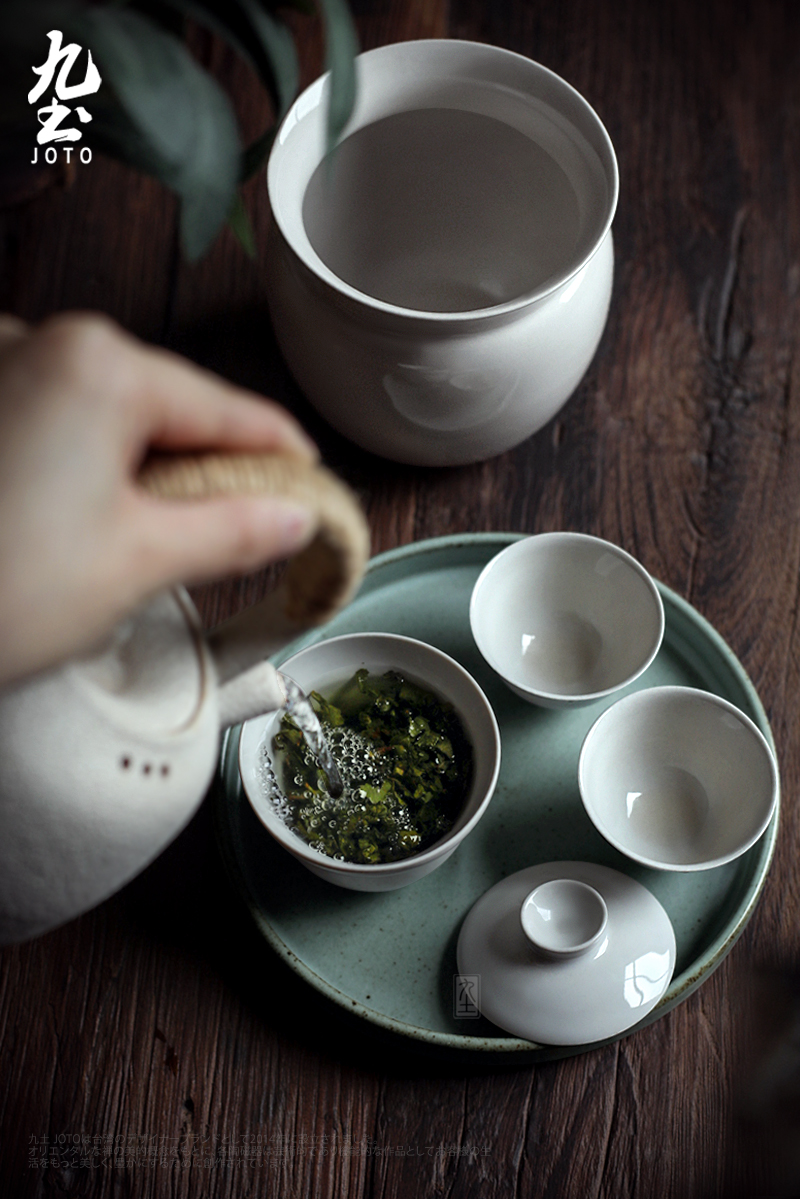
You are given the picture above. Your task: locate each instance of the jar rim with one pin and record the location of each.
(498, 76)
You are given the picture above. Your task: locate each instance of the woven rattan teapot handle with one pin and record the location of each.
(324, 576)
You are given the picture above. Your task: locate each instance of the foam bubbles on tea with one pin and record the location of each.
(403, 760)
(442, 210)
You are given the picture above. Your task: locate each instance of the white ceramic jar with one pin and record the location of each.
(439, 286)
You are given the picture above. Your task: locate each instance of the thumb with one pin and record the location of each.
(197, 541)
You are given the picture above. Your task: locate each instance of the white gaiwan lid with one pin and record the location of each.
(567, 952)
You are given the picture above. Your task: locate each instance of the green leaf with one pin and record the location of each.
(341, 48)
(241, 227)
(257, 153)
(281, 56)
(306, 7)
(263, 42)
(279, 50)
(180, 123)
(257, 36)
(114, 134)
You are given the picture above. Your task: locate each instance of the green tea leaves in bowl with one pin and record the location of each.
(406, 764)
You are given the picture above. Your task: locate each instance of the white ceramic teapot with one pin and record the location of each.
(104, 759)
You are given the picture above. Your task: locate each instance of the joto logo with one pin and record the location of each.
(55, 73)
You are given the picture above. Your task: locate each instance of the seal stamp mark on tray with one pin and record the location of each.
(404, 956)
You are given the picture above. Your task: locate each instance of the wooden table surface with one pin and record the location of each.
(161, 1018)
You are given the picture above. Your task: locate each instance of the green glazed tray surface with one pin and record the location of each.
(390, 957)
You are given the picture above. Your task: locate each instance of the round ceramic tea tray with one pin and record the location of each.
(391, 958)
(567, 953)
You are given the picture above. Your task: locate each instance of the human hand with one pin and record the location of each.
(81, 403)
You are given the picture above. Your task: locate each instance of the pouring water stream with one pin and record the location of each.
(299, 708)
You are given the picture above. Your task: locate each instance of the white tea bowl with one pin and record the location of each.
(678, 779)
(565, 618)
(323, 667)
(439, 284)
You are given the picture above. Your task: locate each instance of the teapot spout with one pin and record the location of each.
(252, 693)
(248, 684)
(253, 635)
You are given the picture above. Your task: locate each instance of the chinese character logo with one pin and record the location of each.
(55, 72)
(466, 996)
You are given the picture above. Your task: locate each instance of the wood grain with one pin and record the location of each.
(160, 1019)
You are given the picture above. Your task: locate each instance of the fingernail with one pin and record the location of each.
(306, 444)
(293, 523)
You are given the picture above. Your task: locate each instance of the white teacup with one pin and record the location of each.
(566, 619)
(439, 286)
(678, 779)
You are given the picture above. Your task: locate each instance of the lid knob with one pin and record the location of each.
(563, 918)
